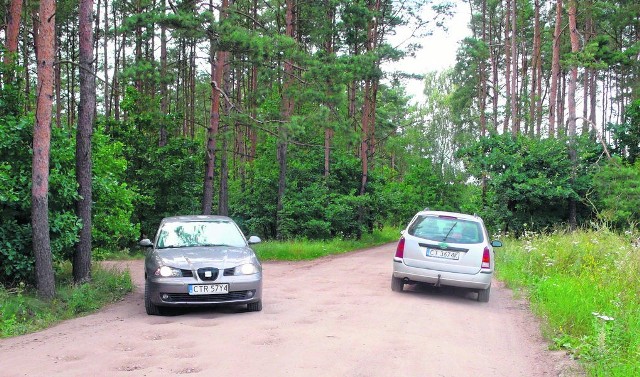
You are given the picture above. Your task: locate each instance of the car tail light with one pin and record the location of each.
(400, 248)
(486, 258)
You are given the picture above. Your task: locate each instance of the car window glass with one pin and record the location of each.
(446, 229)
(204, 233)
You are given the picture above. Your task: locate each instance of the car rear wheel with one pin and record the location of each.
(149, 306)
(396, 284)
(254, 306)
(483, 294)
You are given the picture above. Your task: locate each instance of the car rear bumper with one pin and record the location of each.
(175, 292)
(481, 280)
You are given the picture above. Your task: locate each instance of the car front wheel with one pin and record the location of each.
(483, 294)
(149, 306)
(254, 306)
(396, 284)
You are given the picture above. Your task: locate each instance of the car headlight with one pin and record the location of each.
(166, 271)
(246, 269)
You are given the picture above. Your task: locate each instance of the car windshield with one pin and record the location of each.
(199, 233)
(446, 229)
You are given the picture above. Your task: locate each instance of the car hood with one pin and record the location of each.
(195, 257)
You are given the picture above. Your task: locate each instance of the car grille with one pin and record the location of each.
(202, 273)
(185, 297)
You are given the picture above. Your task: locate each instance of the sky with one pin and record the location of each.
(438, 50)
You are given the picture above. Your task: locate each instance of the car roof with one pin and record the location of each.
(458, 215)
(189, 218)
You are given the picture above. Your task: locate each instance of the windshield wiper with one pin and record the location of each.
(449, 232)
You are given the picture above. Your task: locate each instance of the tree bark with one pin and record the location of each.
(515, 126)
(571, 103)
(555, 70)
(286, 112)
(164, 97)
(86, 116)
(535, 63)
(41, 151)
(12, 35)
(507, 63)
(217, 77)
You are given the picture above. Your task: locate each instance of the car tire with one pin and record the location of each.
(396, 284)
(255, 306)
(149, 306)
(483, 294)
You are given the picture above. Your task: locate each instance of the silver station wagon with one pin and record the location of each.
(201, 260)
(445, 248)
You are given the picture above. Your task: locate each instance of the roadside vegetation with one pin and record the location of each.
(585, 286)
(309, 249)
(21, 311)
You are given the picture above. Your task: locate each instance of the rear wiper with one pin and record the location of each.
(449, 232)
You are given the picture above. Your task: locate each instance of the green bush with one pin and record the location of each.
(585, 285)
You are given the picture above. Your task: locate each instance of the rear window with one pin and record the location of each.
(446, 229)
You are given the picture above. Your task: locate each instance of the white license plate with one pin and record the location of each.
(436, 253)
(208, 289)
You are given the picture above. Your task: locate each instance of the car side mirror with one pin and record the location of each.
(254, 239)
(145, 242)
(496, 243)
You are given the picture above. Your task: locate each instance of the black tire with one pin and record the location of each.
(483, 294)
(396, 284)
(255, 306)
(149, 306)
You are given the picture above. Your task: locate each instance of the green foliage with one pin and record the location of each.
(617, 193)
(22, 312)
(626, 136)
(528, 181)
(584, 285)
(15, 203)
(114, 199)
(301, 249)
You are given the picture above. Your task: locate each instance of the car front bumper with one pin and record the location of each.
(175, 291)
(481, 280)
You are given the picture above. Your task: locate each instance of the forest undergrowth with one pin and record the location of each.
(585, 286)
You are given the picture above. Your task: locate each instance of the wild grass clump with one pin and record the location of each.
(22, 312)
(586, 287)
(293, 250)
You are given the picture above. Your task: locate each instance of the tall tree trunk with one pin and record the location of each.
(86, 115)
(105, 52)
(328, 46)
(483, 75)
(571, 124)
(164, 97)
(41, 151)
(555, 70)
(286, 112)
(535, 63)
(217, 77)
(507, 64)
(515, 126)
(12, 33)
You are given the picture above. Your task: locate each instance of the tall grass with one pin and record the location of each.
(305, 249)
(22, 312)
(586, 287)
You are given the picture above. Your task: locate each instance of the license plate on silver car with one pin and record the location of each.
(208, 289)
(436, 253)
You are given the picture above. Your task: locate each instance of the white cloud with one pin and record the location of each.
(438, 50)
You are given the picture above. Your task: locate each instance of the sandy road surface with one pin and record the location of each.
(331, 317)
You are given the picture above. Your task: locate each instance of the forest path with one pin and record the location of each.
(335, 316)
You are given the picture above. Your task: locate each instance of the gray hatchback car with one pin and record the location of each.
(445, 248)
(201, 260)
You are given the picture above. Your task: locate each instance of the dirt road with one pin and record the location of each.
(331, 317)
